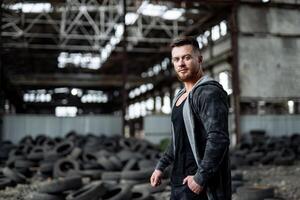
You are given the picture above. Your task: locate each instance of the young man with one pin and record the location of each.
(200, 140)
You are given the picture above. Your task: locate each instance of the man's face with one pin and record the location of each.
(186, 63)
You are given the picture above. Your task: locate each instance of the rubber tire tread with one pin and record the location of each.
(57, 186)
(254, 193)
(4, 182)
(111, 176)
(91, 191)
(14, 175)
(145, 195)
(137, 175)
(125, 193)
(44, 196)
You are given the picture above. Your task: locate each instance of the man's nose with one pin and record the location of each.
(181, 62)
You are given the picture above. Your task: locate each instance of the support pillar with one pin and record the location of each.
(235, 69)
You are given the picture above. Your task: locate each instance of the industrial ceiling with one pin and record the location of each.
(92, 45)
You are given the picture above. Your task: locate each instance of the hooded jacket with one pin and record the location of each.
(205, 115)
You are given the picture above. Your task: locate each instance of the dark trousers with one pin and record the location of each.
(183, 192)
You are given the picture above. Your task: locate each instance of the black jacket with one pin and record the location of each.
(206, 121)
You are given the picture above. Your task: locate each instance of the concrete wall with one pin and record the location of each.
(288, 2)
(218, 48)
(270, 20)
(17, 126)
(275, 125)
(269, 46)
(157, 127)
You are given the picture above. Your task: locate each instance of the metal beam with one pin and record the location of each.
(75, 80)
(81, 48)
(70, 24)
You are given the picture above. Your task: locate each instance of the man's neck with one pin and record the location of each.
(190, 84)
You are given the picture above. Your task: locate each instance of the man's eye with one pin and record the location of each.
(175, 59)
(187, 57)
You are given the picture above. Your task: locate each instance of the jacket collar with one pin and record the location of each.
(202, 80)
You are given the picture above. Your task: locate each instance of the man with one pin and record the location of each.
(199, 149)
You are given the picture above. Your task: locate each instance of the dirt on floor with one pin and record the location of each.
(284, 179)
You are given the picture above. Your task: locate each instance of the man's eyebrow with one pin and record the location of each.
(182, 55)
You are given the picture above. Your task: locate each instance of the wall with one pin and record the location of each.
(269, 46)
(17, 126)
(275, 125)
(157, 127)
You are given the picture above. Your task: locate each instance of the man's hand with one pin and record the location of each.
(195, 187)
(155, 179)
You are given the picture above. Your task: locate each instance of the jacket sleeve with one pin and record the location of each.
(210, 105)
(166, 159)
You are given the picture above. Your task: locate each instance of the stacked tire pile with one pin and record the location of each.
(111, 167)
(245, 192)
(266, 150)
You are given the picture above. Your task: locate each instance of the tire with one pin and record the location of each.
(286, 157)
(4, 182)
(14, 175)
(65, 167)
(106, 164)
(133, 182)
(64, 148)
(237, 160)
(46, 167)
(16, 154)
(236, 176)
(24, 164)
(236, 184)
(110, 145)
(141, 195)
(126, 155)
(137, 175)
(40, 139)
(36, 154)
(76, 153)
(116, 162)
(121, 192)
(10, 163)
(269, 157)
(147, 164)
(148, 187)
(152, 155)
(26, 140)
(255, 193)
(89, 157)
(111, 176)
(131, 164)
(58, 186)
(43, 196)
(92, 165)
(25, 148)
(140, 146)
(126, 143)
(253, 157)
(102, 153)
(51, 156)
(92, 191)
(94, 174)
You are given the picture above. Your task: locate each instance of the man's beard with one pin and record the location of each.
(192, 75)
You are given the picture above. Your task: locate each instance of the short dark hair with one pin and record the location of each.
(185, 40)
